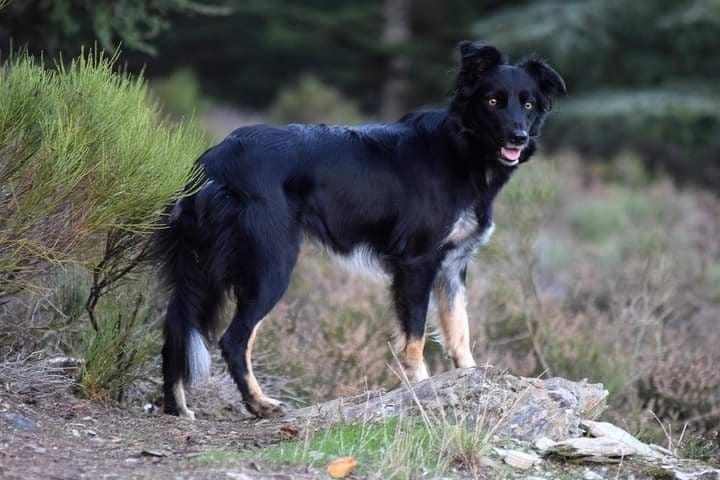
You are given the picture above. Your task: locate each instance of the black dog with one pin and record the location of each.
(411, 199)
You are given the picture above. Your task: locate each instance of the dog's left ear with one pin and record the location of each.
(478, 56)
(549, 81)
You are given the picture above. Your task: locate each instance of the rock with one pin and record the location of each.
(518, 459)
(513, 407)
(19, 422)
(591, 449)
(70, 366)
(605, 429)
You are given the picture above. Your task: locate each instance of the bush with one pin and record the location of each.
(672, 131)
(85, 156)
(122, 348)
(180, 94)
(312, 101)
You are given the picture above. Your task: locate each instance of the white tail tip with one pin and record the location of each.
(198, 358)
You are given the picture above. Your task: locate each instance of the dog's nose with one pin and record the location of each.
(518, 137)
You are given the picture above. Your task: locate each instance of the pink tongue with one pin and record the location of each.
(511, 153)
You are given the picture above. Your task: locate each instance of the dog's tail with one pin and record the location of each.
(181, 252)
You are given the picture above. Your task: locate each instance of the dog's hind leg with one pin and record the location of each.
(411, 290)
(190, 318)
(270, 246)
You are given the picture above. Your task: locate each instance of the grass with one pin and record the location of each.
(398, 448)
(126, 343)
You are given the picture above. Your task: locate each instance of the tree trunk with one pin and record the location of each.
(396, 33)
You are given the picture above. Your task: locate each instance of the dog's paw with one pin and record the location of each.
(179, 412)
(266, 408)
(187, 414)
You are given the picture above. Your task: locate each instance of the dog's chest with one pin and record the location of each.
(467, 229)
(466, 236)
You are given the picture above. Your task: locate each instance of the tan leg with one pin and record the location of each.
(413, 362)
(258, 403)
(454, 325)
(179, 394)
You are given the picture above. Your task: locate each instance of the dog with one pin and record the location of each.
(411, 200)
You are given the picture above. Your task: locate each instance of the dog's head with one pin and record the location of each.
(502, 106)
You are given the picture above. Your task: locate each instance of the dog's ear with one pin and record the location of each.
(549, 81)
(477, 57)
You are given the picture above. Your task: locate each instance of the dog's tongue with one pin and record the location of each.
(511, 153)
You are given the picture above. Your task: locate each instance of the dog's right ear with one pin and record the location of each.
(477, 57)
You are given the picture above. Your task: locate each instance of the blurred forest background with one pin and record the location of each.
(606, 262)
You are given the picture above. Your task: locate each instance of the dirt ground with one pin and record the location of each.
(63, 437)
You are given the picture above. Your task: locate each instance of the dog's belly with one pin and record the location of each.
(363, 261)
(466, 236)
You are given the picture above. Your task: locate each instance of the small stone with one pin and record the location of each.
(590, 475)
(543, 443)
(153, 453)
(19, 422)
(237, 476)
(36, 448)
(518, 459)
(75, 433)
(92, 433)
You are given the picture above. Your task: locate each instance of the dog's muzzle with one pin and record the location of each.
(510, 155)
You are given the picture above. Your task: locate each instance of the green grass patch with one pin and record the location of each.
(374, 446)
(398, 448)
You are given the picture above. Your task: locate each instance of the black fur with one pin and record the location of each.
(396, 189)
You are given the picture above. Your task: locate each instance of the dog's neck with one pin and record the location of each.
(487, 176)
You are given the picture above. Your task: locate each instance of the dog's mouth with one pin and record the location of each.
(510, 156)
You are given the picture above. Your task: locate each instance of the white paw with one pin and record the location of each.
(186, 413)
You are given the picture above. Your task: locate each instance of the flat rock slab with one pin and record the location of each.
(510, 406)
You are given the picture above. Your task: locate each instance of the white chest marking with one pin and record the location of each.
(464, 226)
(485, 237)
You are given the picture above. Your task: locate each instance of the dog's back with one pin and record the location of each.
(412, 198)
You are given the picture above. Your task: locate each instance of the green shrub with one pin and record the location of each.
(674, 131)
(124, 346)
(179, 94)
(312, 101)
(712, 278)
(84, 155)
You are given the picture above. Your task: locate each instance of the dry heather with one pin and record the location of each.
(585, 278)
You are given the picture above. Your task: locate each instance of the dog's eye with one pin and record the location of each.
(492, 102)
(529, 105)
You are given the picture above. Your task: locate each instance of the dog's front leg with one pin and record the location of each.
(449, 294)
(411, 291)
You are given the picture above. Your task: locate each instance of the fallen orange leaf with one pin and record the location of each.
(341, 467)
(289, 432)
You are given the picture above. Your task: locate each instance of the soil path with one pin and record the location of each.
(62, 437)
